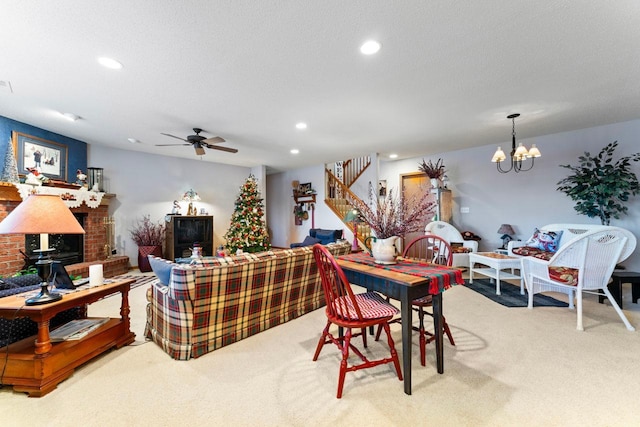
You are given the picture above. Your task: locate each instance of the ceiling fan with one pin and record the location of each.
(199, 142)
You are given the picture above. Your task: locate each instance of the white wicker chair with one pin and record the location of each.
(449, 233)
(594, 254)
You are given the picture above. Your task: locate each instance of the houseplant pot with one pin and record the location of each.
(149, 237)
(143, 252)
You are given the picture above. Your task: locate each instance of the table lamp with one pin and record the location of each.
(191, 196)
(353, 216)
(42, 214)
(506, 230)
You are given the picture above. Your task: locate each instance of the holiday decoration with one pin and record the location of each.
(248, 231)
(10, 170)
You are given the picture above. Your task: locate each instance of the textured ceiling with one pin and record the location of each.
(448, 73)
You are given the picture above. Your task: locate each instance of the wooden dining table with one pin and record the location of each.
(405, 281)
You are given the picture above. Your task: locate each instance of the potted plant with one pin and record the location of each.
(600, 186)
(149, 237)
(391, 217)
(435, 171)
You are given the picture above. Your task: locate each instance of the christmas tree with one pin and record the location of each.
(248, 230)
(10, 169)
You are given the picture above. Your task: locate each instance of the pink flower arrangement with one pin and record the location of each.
(394, 216)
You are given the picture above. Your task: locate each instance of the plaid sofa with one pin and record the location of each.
(216, 302)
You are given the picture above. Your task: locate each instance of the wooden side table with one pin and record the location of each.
(615, 287)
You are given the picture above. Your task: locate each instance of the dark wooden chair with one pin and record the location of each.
(433, 249)
(351, 311)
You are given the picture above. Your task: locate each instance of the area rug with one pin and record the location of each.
(139, 279)
(510, 294)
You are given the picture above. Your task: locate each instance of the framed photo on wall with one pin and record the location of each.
(50, 158)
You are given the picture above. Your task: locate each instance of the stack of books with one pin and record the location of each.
(76, 329)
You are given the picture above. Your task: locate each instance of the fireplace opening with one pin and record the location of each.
(69, 248)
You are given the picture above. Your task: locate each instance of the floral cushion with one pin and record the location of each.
(547, 241)
(566, 275)
(534, 252)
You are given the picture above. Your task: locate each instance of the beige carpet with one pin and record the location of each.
(511, 366)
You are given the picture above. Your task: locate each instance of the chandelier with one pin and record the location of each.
(518, 155)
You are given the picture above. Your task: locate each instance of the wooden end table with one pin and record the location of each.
(493, 264)
(35, 365)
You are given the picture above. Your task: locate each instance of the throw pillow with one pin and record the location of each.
(161, 268)
(546, 241)
(325, 236)
(308, 241)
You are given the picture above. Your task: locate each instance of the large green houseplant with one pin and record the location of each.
(600, 186)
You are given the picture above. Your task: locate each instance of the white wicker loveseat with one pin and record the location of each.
(567, 233)
(582, 264)
(449, 233)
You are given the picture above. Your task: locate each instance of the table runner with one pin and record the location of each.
(441, 277)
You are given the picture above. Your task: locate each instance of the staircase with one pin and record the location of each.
(340, 200)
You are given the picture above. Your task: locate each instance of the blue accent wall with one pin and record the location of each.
(77, 150)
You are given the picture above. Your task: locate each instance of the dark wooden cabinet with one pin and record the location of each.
(185, 230)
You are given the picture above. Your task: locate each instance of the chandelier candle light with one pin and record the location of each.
(518, 155)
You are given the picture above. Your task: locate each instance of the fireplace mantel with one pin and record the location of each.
(9, 193)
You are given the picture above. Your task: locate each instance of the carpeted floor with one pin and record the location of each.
(140, 279)
(509, 367)
(510, 294)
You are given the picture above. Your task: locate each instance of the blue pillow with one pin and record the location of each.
(161, 268)
(308, 241)
(326, 236)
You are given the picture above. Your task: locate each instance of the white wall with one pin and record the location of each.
(147, 184)
(524, 200)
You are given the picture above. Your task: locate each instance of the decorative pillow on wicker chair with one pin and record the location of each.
(566, 275)
(534, 252)
(547, 241)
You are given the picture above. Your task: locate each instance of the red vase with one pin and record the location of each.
(143, 261)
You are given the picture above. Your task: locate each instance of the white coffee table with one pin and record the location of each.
(494, 263)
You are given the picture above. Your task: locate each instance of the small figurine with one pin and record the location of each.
(35, 177)
(81, 178)
(176, 208)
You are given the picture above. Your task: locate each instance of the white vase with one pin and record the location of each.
(384, 251)
(435, 183)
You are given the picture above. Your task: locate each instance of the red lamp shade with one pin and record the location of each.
(41, 214)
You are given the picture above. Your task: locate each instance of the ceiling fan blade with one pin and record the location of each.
(199, 150)
(214, 140)
(227, 149)
(169, 145)
(173, 136)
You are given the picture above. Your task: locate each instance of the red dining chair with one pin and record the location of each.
(435, 250)
(351, 311)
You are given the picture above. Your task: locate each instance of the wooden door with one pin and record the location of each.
(413, 186)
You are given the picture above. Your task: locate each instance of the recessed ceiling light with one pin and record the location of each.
(294, 151)
(133, 140)
(109, 63)
(301, 125)
(370, 47)
(70, 116)
(393, 156)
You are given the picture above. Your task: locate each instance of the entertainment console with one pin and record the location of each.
(37, 366)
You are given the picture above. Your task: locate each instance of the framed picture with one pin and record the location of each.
(305, 188)
(382, 188)
(50, 158)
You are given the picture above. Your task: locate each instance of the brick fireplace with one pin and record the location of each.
(95, 239)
